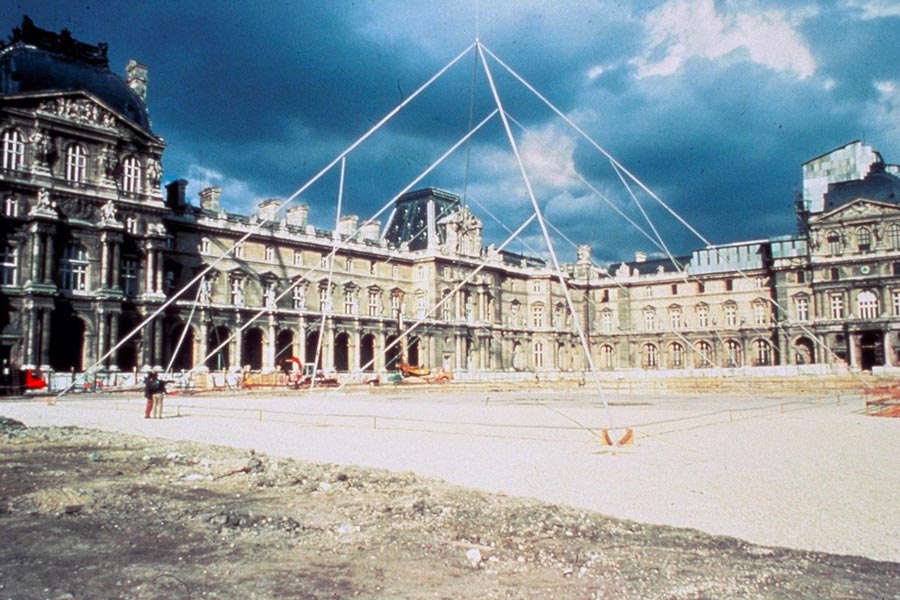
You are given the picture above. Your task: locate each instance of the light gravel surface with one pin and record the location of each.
(805, 473)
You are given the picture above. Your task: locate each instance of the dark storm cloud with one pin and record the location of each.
(258, 98)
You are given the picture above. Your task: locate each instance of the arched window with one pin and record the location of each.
(735, 354)
(867, 302)
(76, 163)
(607, 357)
(863, 239)
(704, 355)
(73, 268)
(131, 175)
(763, 352)
(833, 239)
(676, 356)
(893, 236)
(13, 150)
(650, 354)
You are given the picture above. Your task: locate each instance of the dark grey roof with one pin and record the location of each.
(39, 61)
(877, 185)
(409, 221)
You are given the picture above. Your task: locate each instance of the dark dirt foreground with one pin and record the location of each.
(90, 514)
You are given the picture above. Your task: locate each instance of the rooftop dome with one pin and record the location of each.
(40, 61)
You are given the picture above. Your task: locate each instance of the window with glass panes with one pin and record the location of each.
(131, 175)
(13, 150)
(73, 268)
(76, 163)
(837, 306)
(128, 277)
(9, 265)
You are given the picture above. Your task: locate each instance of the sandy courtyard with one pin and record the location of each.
(807, 473)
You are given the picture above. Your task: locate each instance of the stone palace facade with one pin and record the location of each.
(91, 247)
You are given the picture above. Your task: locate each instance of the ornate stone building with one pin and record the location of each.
(91, 251)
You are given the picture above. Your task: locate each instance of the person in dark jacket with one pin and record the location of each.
(150, 385)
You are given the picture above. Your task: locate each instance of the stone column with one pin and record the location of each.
(236, 344)
(378, 351)
(300, 344)
(29, 330)
(354, 348)
(36, 258)
(104, 262)
(888, 350)
(157, 343)
(45, 339)
(851, 350)
(101, 335)
(115, 264)
(270, 350)
(148, 271)
(47, 249)
(113, 339)
(201, 341)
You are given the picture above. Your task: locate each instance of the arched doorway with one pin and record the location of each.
(181, 348)
(312, 348)
(252, 349)
(804, 353)
(392, 352)
(66, 340)
(284, 349)
(367, 352)
(342, 352)
(871, 350)
(413, 352)
(127, 355)
(217, 349)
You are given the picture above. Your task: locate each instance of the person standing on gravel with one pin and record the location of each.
(159, 395)
(150, 384)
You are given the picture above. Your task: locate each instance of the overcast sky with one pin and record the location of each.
(713, 106)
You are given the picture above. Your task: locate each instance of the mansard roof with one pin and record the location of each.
(37, 61)
(878, 185)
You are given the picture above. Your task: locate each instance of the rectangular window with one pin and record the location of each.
(837, 306)
(349, 302)
(395, 272)
(298, 297)
(729, 285)
(373, 268)
(13, 150)
(129, 277)
(324, 300)
(760, 316)
(895, 299)
(10, 207)
(801, 276)
(675, 319)
(730, 316)
(802, 307)
(835, 274)
(538, 355)
(373, 304)
(348, 265)
(420, 306)
(298, 258)
(270, 253)
(76, 164)
(239, 250)
(9, 265)
(537, 316)
(703, 316)
(606, 322)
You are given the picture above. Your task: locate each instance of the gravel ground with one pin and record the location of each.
(99, 514)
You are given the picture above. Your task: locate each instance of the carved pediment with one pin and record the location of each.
(861, 208)
(80, 108)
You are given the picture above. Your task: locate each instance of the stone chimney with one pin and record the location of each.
(298, 215)
(268, 209)
(370, 231)
(136, 78)
(175, 198)
(347, 225)
(209, 198)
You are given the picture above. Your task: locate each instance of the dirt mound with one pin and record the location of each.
(89, 514)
